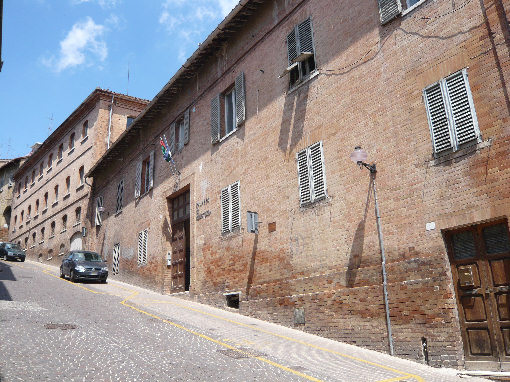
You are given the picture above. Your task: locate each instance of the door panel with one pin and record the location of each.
(178, 257)
(480, 261)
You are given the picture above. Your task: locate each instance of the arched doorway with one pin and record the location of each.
(6, 217)
(76, 242)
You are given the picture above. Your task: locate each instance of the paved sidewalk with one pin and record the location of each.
(300, 354)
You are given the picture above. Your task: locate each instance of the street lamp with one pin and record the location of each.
(359, 156)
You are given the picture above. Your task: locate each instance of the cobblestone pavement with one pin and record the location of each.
(54, 330)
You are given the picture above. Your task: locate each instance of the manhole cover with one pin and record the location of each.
(241, 353)
(60, 326)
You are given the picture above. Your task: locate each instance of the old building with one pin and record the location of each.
(51, 194)
(264, 116)
(8, 168)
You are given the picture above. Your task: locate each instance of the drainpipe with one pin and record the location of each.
(110, 125)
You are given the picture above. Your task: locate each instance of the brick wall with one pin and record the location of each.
(325, 258)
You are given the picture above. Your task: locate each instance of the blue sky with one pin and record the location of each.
(56, 52)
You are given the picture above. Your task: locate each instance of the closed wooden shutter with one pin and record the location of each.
(145, 239)
(438, 119)
(225, 210)
(138, 178)
(151, 170)
(305, 37)
(389, 9)
(240, 100)
(305, 194)
(140, 247)
(235, 200)
(120, 194)
(99, 214)
(461, 107)
(292, 46)
(171, 144)
(318, 177)
(215, 119)
(186, 127)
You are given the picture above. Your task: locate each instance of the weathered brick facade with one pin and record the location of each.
(7, 170)
(90, 143)
(325, 257)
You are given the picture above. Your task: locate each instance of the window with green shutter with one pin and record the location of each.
(228, 110)
(451, 113)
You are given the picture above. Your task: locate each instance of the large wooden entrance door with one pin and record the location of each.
(180, 261)
(480, 262)
(178, 257)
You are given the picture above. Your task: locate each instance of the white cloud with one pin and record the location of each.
(83, 45)
(190, 20)
(226, 6)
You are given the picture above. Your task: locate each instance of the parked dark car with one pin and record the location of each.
(84, 265)
(11, 251)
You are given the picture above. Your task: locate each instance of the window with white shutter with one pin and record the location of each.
(142, 246)
(228, 110)
(300, 53)
(311, 174)
(120, 196)
(99, 211)
(230, 199)
(138, 179)
(451, 113)
(144, 175)
(179, 133)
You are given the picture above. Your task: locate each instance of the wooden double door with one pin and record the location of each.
(180, 258)
(480, 262)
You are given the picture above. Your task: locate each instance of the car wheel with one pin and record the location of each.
(103, 281)
(62, 276)
(22, 260)
(72, 277)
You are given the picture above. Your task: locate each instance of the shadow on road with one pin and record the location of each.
(5, 275)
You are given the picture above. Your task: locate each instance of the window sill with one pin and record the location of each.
(229, 134)
(41, 242)
(61, 254)
(67, 196)
(412, 8)
(36, 216)
(297, 85)
(54, 203)
(51, 237)
(21, 226)
(84, 139)
(70, 151)
(25, 190)
(76, 224)
(17, 197)
(32, 246)
(448, 156)
(40, 178)
(80, 187)
(117, 213)
(59, 161)
(64, 230)
(32, 184)
(49, 258)
(28, 222)
(44, 211)
(49, 170)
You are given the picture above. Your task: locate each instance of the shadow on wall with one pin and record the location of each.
(357, 243)
(293, 118)
(5, 275)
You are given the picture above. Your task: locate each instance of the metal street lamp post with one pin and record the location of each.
(359, 156)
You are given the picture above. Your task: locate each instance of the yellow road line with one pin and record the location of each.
(403, 373)
(70, 282)
(282, 367)
(123, 302)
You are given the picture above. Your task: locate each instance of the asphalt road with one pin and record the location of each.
(55, 330)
